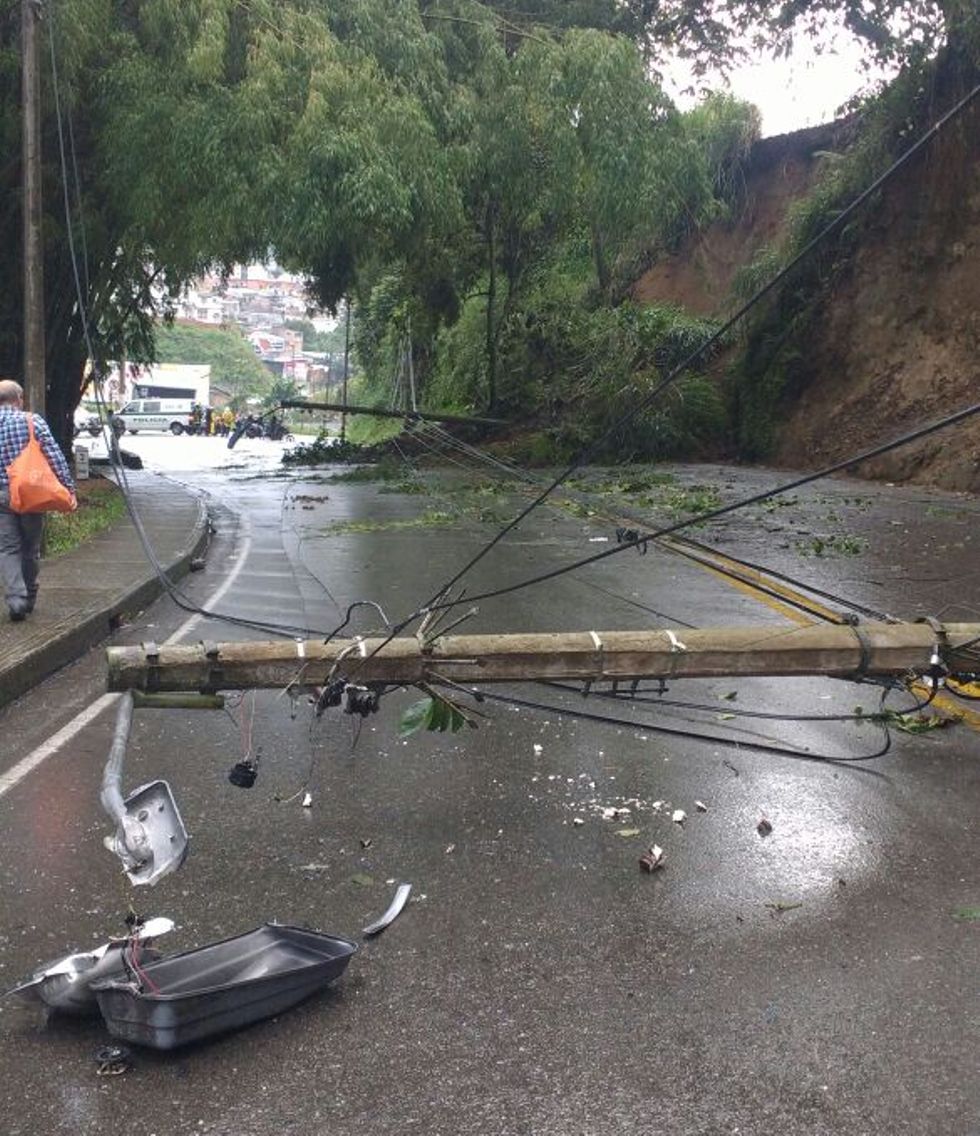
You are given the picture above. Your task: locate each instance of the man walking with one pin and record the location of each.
(20, 533)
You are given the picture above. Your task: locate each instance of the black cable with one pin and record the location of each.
(737, 711)
(689, 735)
(695, 355)
(678, 548)
(350, 610)
(701, 518)
(175, 594)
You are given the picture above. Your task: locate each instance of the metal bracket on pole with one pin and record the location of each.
(216, 674)
(150, 838)
(938, 670)
(151, 652)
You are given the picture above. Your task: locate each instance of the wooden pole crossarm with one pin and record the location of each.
(381, 412)
(841, 651)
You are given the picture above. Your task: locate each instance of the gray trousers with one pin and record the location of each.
(20, 552)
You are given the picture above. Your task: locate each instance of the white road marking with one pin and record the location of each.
(71, 729)
(27, 764)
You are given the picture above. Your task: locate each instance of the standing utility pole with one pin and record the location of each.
(343, 416)
(34, 364)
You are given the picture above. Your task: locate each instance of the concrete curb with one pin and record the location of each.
(70, 641)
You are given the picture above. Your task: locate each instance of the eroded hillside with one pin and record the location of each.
(894, 341)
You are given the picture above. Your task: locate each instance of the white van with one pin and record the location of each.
(155, 414)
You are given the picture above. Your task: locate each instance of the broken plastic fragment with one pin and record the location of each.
(578, 820)
(538, 749)
(652, 859)
(307, 800)
(614, 813)
(394, 910)
(701, 806)
(678, 816)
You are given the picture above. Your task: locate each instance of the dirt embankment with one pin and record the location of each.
(897, 343)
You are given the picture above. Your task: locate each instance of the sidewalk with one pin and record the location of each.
(85, 593)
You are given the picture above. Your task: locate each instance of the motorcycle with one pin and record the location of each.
(254, 426)
(276, 430)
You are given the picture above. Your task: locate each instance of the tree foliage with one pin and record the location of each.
(447, 163)
(234, 365)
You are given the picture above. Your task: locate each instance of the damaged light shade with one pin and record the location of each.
(66, 983)
(150, 838)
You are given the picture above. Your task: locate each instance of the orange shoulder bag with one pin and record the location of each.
(33, 486)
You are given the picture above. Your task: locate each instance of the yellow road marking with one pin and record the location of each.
(752, 591)
(758, 586)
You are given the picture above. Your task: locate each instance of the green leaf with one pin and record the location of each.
(967, 914)
(431, 714)
(438, 716)
(457, 720)
(415, 718)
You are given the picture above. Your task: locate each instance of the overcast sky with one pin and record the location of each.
(803, 90)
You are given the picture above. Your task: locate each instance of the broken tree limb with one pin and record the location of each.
(842, 651)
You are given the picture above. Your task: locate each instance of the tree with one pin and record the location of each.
(234, 364)
(439, 142)
(621, 122)
(132, 89)
(717, 33)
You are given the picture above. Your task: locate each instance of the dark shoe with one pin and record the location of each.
(18, 612)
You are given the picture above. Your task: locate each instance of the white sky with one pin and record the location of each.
(804, 90)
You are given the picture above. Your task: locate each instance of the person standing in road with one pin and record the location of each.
(20, 533)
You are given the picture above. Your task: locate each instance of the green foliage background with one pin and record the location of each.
(483, 179)
(234, 365)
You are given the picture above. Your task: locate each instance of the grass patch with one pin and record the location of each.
(100, 504)
(826, 546)
(628, 483)
(431, 518)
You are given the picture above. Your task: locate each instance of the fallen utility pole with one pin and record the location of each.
(871, 649)
(381, 412)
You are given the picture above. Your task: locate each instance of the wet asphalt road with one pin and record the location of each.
(814, 981)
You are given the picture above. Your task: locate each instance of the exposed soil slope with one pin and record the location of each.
(780, 171)
(898, 342)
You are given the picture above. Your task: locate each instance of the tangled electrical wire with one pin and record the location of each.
(442, 599)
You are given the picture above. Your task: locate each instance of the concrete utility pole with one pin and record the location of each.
(343, 413)
(842, 651)
(35, 383)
